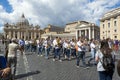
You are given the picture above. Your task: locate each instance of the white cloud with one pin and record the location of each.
(56, 12)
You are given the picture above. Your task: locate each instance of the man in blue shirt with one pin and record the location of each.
(21, 44)
(4, 70)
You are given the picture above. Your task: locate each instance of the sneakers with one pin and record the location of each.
(69, 59)
(77, 66)
(41, 55)
(53, 59)
(60, 60)
(65, 57)
(86, 67)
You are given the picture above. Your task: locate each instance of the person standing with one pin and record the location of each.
(105, 72)
(93, 51)
(12, 57)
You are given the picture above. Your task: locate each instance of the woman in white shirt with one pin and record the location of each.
(104, 50)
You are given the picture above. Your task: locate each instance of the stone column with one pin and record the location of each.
(18, 35)
(5, 34)
(93, 30)
(21, 34)
(40, 35)
(89, 34)
(76, 34)
(13, 34)
(28, 35)
(9, 35)
(25, 35)
(79, 33)
(85, 32)
(34, 35)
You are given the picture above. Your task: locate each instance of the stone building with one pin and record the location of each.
(83, 29)
(54, 29)
(110, 25)
(74, 30)
(22, 29)
(70, 27)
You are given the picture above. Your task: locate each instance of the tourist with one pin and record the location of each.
(81, 53)
(12, 56)
(93, 51)
(22, 45)
(73, 50)
(57, 45)
(4, 70)
(104, 72)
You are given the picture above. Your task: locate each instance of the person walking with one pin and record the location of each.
(93, 51)
(105, 69)
(73, 50)
(12, 57)
(57, 45)
(81, 54)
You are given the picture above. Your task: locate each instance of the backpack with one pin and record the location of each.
(108, 62)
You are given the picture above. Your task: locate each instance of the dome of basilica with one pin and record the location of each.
(23, 20)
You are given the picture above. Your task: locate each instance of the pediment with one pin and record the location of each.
(82, 25)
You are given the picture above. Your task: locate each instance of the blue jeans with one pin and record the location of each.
(93, 52)
(12, 62)
(73, 52)
(57, 53)
(27, 47)
(46, 53)
(39, 50)
(68, 53)
(103, 75)
(43, 49)
(81, 55)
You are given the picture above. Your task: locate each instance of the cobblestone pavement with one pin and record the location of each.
(33, 67)
(39, 68)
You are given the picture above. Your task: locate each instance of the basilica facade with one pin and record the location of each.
(22, 30)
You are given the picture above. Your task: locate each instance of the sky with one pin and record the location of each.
(55, 12)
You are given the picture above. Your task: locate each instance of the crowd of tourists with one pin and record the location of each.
(61, 49)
